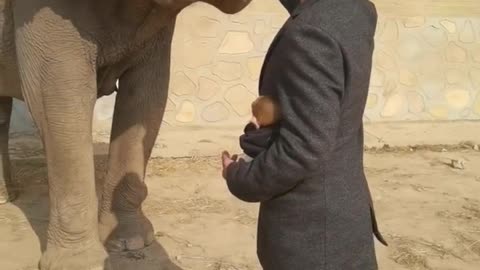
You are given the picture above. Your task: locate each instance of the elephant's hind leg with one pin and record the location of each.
(8, 189)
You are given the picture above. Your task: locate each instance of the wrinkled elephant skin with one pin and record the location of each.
(59, 57)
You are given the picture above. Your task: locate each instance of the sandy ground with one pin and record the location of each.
(429, 212)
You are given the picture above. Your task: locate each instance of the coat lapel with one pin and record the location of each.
(269, 53)
(275, 40)
(302, 7)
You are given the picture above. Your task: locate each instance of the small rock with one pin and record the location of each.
(444, 150)
(467, 143)
(159, 234)
(476, 147)
(458, 164)
(178, 258)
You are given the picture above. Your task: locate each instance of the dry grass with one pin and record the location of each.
(463, 146)
(469, 241)
(245, 218)
(172, 166)
(414, 254)
(191, 205)
(215, 263)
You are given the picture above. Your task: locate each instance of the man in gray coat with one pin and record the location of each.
(316, 211)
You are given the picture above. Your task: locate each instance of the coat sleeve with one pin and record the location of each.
(309, 85)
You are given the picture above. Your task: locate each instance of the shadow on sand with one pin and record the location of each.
(31, 174)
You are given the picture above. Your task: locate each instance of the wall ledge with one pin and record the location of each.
(191, 141)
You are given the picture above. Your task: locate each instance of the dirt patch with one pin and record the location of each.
(429, 212)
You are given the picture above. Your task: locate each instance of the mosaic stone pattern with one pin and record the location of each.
(425, 67)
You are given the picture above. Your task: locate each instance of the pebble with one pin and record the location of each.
(458, 164)
(476, 147)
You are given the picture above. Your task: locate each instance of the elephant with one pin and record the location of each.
(60, 56)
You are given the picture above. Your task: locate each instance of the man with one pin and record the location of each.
(316, 211)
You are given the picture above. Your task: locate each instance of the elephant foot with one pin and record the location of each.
(90, 257)
(125, 232)
(7, 195)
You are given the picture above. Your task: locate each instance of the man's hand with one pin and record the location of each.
(227, 160)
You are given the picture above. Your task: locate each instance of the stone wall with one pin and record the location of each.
(426, 64)
(426, 68)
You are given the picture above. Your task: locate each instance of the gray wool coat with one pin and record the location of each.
(316, 211)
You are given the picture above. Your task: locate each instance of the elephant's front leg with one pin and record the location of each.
(137, 117)
(62, 109)
(60, 91)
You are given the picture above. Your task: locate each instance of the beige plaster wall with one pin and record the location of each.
(426, 62)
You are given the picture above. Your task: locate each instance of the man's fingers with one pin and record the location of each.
(225, 159)
(225, 154)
